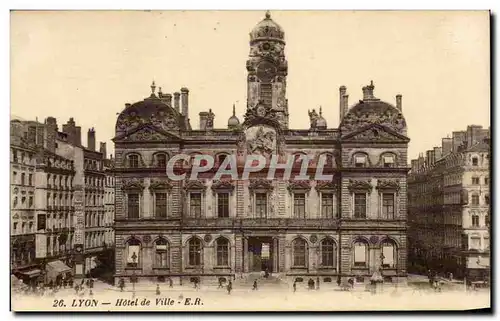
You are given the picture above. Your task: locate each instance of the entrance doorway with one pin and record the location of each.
(260, 254)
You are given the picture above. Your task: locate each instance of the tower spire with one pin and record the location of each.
(320, 110)
(234, 110)
(268, 14)
(153, 88)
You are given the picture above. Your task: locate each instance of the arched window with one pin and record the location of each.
(161, 160)
(360, 254)
(328, 159)
(195, 249)
(360, 160)
(299, 252)
(222, 246)
(328, 251)
(388, 160)
(23, 178)
(388, 257)
(162, 254)
(133, 161)
(133, 253)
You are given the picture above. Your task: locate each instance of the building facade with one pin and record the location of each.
(49, 172)
(22, 218)
(449, 206)
(351, 225)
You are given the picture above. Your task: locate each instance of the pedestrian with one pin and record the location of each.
(158, 289)
(254, 285)
(90, 292)
(121, 284)
(294, 286)
(220, 284)
(317, 283)
(171, 283)
(229, 287)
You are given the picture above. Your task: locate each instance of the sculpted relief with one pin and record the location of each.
(354, 120)
(261, 140)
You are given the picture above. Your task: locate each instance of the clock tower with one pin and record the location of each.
(267, 70)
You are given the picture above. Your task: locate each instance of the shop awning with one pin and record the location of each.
(31, 273)
(56, 268)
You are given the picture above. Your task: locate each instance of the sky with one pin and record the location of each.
(87, 65)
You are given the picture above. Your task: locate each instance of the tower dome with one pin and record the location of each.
(321, 122)
(233, 121)
(267, 29)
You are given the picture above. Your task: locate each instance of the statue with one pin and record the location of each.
(210, 119)
(313, 118)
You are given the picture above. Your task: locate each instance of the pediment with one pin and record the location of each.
(148, 133)
(375, 133)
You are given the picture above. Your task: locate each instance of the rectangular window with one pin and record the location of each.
(475, 221)
(388, 161)
(486, 181)
(223, 204)
(360, 161)
(299, 205)
(161, 256)
(133, 255)
(475, 180)
(360, 205)
(327, 205)
(161, 205)
(360, 255)
(261, 205)
(388, 252)
(133, 205)
(475, 199)
(388, 206)
(195, 205)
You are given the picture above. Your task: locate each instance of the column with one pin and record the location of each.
(275, 255)
(245, 255)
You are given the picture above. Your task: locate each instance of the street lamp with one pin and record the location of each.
(134, 259)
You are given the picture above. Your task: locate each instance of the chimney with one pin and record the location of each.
(399, 103)
(176, 101)
(458, 138)
(78, 136)
(414, 164)
(203, 120)
(185, 102)
(346, 103)
(438, 153)
(51, 127)
(474, 134)
(342, 91)
(32, 135)
(91, 139)
(368, 91)
(102, 149)
(168, 99)
(446, 146)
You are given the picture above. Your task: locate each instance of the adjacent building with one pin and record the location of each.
(49, 172)
(352, 225)
(449, 206)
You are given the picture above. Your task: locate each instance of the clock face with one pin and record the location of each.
(266, 71)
